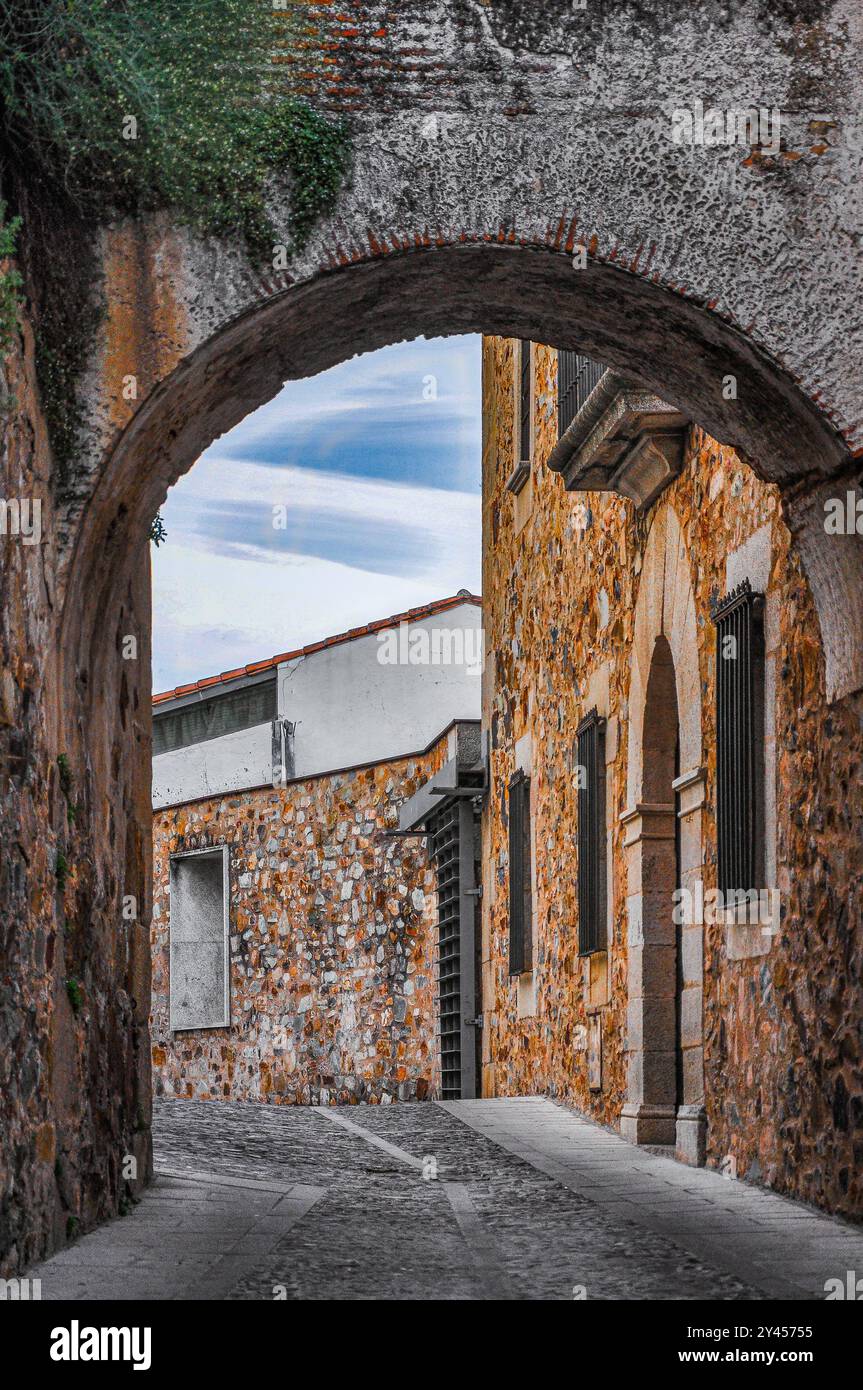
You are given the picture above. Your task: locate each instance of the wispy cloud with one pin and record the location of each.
(408, 412)
(359, 533)
(243, 509)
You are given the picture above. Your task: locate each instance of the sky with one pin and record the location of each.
(350, 496)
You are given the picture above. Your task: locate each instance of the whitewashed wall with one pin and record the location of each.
(348, 708)
(231, 763)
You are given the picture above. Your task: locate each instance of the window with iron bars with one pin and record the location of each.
(592, 934)
(524, 402)
(577, 375)
(739, 619)
(520, 909)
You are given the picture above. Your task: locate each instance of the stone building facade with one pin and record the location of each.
(293, 931)
(736, 1038)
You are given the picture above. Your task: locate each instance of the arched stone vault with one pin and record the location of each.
(683, 352)
(491, 140)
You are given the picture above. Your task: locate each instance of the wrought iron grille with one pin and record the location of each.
(524, 403)
(740, 739)
(576, 377)
(444, 830)
(591, 835)
(520, 924)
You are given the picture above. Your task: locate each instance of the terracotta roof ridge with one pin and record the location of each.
(424, 610)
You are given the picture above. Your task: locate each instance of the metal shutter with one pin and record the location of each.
(740, 739)
(592, 935)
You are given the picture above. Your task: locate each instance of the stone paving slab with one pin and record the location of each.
(174, 1242)
(783, 1247)
(462, 1200)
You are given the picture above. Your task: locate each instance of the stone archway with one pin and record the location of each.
(204, 387)
(664, 851)
(206, 374)
(499, 185)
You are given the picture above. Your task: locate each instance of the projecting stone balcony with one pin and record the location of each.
(622, 439)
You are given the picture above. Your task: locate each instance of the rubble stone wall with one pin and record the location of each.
(74, 979)
(780, 1030)
(332, 944)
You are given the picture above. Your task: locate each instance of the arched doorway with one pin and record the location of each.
(662, 826)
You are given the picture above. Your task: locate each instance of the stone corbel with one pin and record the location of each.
(648, 466)
(624, 439)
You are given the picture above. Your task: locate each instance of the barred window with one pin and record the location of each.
(576, 377)
(524, 403)
(739, 620)
(592, 935)
(520, 909)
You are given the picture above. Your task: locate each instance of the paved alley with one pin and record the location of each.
(503, 1199)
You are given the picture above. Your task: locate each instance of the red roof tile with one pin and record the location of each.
(426, 610)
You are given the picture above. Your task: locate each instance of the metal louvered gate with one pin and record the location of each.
(451, 832)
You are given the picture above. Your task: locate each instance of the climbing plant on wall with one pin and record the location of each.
(119, 107)
(128, 105)
(10, 280)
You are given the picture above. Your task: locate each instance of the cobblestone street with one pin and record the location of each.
(513, 1199)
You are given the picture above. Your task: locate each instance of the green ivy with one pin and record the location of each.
(66, 787)
(120, 107)
(131, 105)
(10, 281)
(76, 995)
(158, 533)
(65, 774)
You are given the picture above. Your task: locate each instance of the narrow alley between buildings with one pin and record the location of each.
(498, 1199)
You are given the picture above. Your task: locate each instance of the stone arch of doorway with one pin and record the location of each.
(205, 372)
(664, 850)
(99, 703)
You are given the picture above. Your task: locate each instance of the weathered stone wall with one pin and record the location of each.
(781, 1031)
(332, 945)
(74, 1075)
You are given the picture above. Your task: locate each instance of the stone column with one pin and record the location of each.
(649, 1114)
(691, 1115)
